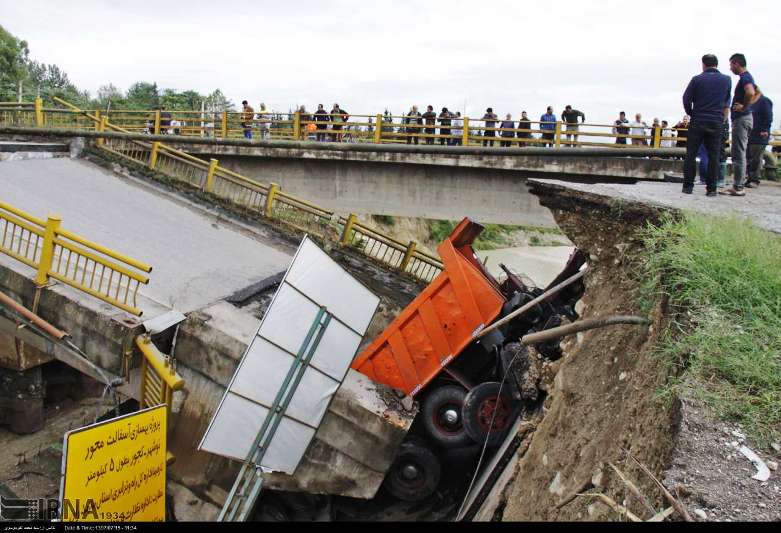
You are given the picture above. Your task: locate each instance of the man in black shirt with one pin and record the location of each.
(322, 118)
(431, 119)
(620, 129)
(444, 120)
(524, 124)
(165, 120)
(570, 118)
(490, 119)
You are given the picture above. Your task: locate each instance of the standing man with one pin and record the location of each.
(762, 114)
(706, 100)
(742, 120)
(431, 119)
(570, 118)
(490, 119)
(444, 120)
(322, 118)
(413, 122)
(508, 131)
(637, 130)
(524, 124)
(458, 129)
(620, 128)
(264, 123)
(338, 117)
(246, 119)
(165, 120)
(548, 127)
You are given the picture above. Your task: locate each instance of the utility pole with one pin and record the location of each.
(19, 92)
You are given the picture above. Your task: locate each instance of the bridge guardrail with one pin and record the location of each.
(265, 200)
(59, 254)
(359, 128)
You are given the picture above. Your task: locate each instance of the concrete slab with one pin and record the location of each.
(197, 258)
(762, 205)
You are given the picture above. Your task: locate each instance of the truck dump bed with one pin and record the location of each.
(438, 324)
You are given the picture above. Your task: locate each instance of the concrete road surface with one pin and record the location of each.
(196, 258)
(762, 205)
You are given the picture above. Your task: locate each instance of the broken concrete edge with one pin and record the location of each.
(555, 196)
(100, 330)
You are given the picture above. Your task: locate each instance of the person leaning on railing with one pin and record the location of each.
(570, 118)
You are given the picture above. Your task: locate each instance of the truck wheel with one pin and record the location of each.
(442, 416)
(479, 407)
(415, 473)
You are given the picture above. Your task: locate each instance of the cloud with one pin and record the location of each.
(598, 56)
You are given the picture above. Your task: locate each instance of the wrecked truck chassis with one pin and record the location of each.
(484, 373)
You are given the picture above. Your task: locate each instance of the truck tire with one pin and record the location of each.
(479, 406)
(442, 416)
(415, 473)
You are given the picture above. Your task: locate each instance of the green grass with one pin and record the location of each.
(725, 274)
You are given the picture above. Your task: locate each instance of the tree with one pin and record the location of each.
(13, 65)
(217, 102)
(143, 95)
(110, 95)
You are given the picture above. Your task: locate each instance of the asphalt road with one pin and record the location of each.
(196, 258)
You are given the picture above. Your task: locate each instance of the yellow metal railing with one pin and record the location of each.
(59, 254)
(159, 378)
(266, 200)
(306, 125)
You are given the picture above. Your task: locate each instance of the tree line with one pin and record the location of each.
(23, 79)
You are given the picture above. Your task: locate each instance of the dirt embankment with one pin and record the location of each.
(604, 400)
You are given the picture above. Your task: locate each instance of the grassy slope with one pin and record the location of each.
(726, 274)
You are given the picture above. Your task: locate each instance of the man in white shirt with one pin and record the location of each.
(637, 128)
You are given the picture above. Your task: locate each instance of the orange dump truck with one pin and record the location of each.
(430, 353)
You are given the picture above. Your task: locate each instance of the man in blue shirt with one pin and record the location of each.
(548, 127)
(706, 100)
(742, 120)
(762, 114)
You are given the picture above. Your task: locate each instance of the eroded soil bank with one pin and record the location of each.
(604, 406)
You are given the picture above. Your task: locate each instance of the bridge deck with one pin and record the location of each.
(197, 258)
(762, 205)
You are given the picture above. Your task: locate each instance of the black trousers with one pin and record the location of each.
(489, 134)
(709, 134)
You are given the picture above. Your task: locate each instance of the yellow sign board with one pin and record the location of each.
(114, 471)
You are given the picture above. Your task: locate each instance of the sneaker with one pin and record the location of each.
(752, 185)
(711, 194)
(722, 190)
(736, 192)
(687, 190)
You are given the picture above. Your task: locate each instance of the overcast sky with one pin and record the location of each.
(600, 56)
